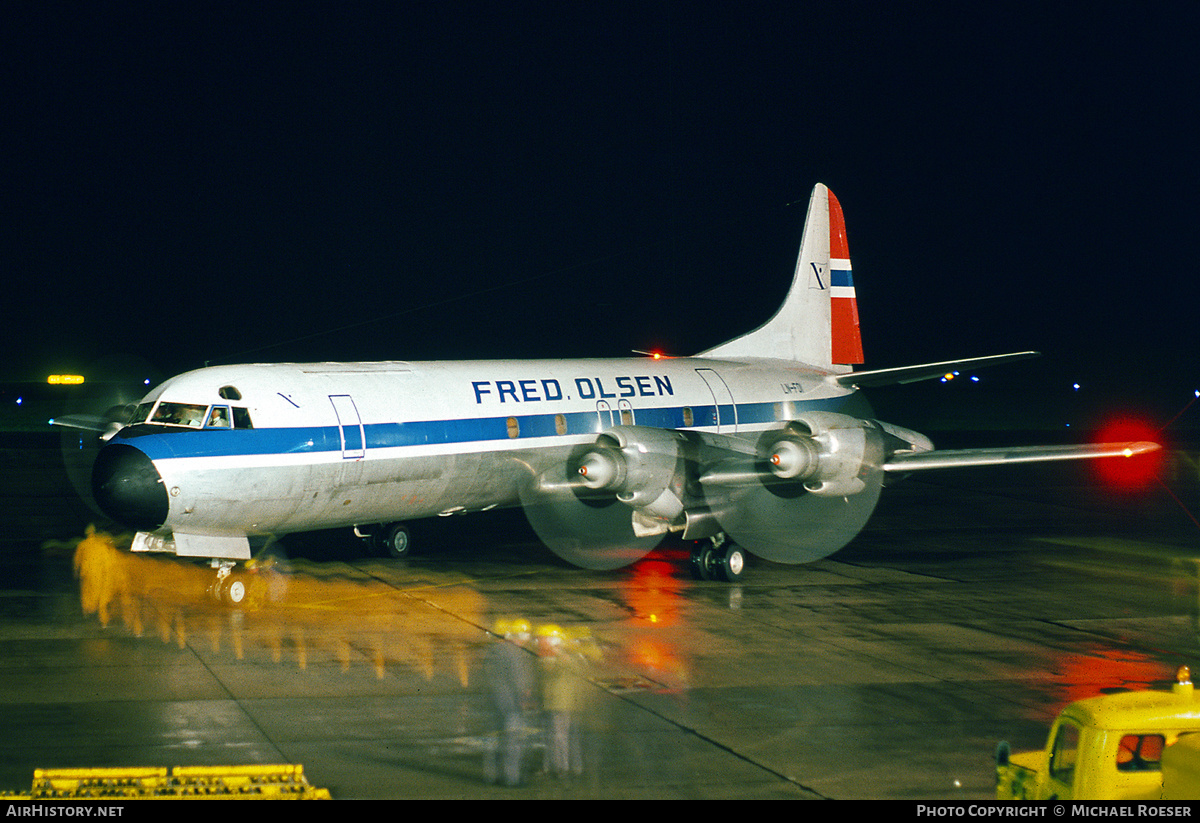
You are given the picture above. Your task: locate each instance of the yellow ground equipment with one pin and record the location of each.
(266, 782)
(1111, 747)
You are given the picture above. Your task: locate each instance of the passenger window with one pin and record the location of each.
(560, 424)
(219, 418)
(689, 419)
(1140, 753)
(1062, 756)
(514, 428)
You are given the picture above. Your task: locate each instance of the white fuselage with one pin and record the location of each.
(340, 444)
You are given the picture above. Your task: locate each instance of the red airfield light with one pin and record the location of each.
(1135, 472)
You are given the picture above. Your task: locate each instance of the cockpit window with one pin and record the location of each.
(218, 418)
(193, 415)
(241, 418)
(179, 414)
(140, 414)
(230, 393)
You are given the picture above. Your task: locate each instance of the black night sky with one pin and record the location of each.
(218, 183)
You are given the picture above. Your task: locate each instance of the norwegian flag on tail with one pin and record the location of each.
(845, 337)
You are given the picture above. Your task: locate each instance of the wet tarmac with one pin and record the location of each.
(971, 609)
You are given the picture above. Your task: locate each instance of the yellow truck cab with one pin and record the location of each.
(1108, 748)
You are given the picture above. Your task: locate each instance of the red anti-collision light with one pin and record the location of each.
(1134, 472)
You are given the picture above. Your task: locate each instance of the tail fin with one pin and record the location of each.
(818, 321)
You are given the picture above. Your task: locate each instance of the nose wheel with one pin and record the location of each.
(718, 560)
(229, 587)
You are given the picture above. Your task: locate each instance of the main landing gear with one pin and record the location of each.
(718, 559)
(392, 540)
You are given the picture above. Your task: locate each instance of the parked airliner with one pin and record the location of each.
(764, 443)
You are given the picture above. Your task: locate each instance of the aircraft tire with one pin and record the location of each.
(729, 565)
(376, 543)
(234, 591)
(398, 541)
(700, 562)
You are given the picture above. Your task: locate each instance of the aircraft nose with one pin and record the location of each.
(128, 488)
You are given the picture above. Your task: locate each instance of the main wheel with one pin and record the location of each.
(729, 564)
(397, 541)
(700, 562)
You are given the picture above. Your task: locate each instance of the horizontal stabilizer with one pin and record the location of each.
(926, 371)
(961, 458)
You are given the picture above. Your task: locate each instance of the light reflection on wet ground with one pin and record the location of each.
(434, 624)
(969, 611)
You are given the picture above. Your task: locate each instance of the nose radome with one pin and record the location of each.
(128, 488)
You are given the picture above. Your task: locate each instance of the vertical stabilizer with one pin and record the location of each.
(818, 321)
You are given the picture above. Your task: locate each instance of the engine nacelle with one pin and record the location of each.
(828, 452)
(642, 466)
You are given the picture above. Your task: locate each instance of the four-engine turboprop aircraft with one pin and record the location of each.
(763, 443)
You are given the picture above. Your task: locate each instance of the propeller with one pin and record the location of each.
(799, 494)
(586, 528)
(786, 523)
(97, 410)
(821, 479)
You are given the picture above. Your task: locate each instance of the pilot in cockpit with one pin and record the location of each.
(219, 418)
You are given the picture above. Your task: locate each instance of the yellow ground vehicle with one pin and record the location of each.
(1181, 769)
(1111, 748)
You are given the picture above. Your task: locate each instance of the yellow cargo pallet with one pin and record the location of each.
(268, 782)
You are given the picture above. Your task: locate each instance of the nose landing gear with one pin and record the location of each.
(230, 586)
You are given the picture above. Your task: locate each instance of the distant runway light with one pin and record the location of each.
(1075, 386)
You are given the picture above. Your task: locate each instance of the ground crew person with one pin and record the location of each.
(510, 669)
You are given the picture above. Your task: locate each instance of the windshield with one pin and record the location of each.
(193, 415)
(180, 414)
(141, 413)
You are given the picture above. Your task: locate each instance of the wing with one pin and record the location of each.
(957, 458)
